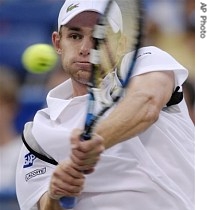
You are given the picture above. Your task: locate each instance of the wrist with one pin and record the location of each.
(49, 202)
(53, 197)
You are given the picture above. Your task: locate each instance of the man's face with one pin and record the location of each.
(75, 43)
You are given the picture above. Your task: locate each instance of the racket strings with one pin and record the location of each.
(132, 23)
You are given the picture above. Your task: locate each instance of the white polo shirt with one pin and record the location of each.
(156, 165)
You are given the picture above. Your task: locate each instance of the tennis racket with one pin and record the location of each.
(114, 54)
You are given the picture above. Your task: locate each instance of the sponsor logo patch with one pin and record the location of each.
(34, 173)
(146, 53)
(29, 160)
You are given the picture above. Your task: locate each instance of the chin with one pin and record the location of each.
(82, 81)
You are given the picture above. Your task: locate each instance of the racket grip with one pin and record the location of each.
(68, 202)
(86, 137)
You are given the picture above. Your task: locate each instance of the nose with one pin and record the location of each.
(86, 45)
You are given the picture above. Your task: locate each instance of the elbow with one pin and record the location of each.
(152, 114)
(152, 111)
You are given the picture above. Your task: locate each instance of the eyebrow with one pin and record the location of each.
(74, 28)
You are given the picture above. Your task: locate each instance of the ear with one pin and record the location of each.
(56, 39)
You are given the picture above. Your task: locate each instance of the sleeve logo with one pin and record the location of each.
(34, 173)
(29, 160)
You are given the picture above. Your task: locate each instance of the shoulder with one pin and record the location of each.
(30, 171)
(153, 59)
(156, 56)
(147, 50)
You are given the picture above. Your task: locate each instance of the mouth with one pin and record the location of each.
(83, 65)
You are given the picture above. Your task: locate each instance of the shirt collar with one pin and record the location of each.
(60, 97)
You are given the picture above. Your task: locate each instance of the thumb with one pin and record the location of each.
(75, 138)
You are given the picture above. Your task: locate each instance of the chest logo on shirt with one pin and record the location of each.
(34, 173)
(29, 160)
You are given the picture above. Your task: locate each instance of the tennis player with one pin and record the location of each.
(141, 155)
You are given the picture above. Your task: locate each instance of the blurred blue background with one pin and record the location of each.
(23, 23)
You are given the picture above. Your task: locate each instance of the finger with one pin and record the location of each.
(94, 145)
(63, 183)
(75, 137)
(57, 193)
(91, 160)
(67, 170)
(60, 177)
(83, 156)
(85, 166)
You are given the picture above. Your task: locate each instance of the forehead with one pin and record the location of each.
(84, 19)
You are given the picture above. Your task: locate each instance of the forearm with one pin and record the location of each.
(125, 121)
(47, 203)
(139, 109)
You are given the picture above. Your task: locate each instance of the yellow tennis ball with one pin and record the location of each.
(39, 58)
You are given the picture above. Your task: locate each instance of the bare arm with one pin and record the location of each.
(46, 203)
(145, 97)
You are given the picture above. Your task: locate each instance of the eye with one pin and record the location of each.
(75, 36)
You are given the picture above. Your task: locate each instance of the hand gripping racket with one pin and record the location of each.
(113, 56)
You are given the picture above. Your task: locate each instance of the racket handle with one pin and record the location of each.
(86, 137)
(68, 202)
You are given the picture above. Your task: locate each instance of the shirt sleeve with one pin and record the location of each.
(151, 59)
(32, 179)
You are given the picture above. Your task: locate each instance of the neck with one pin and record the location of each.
(79, 89)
